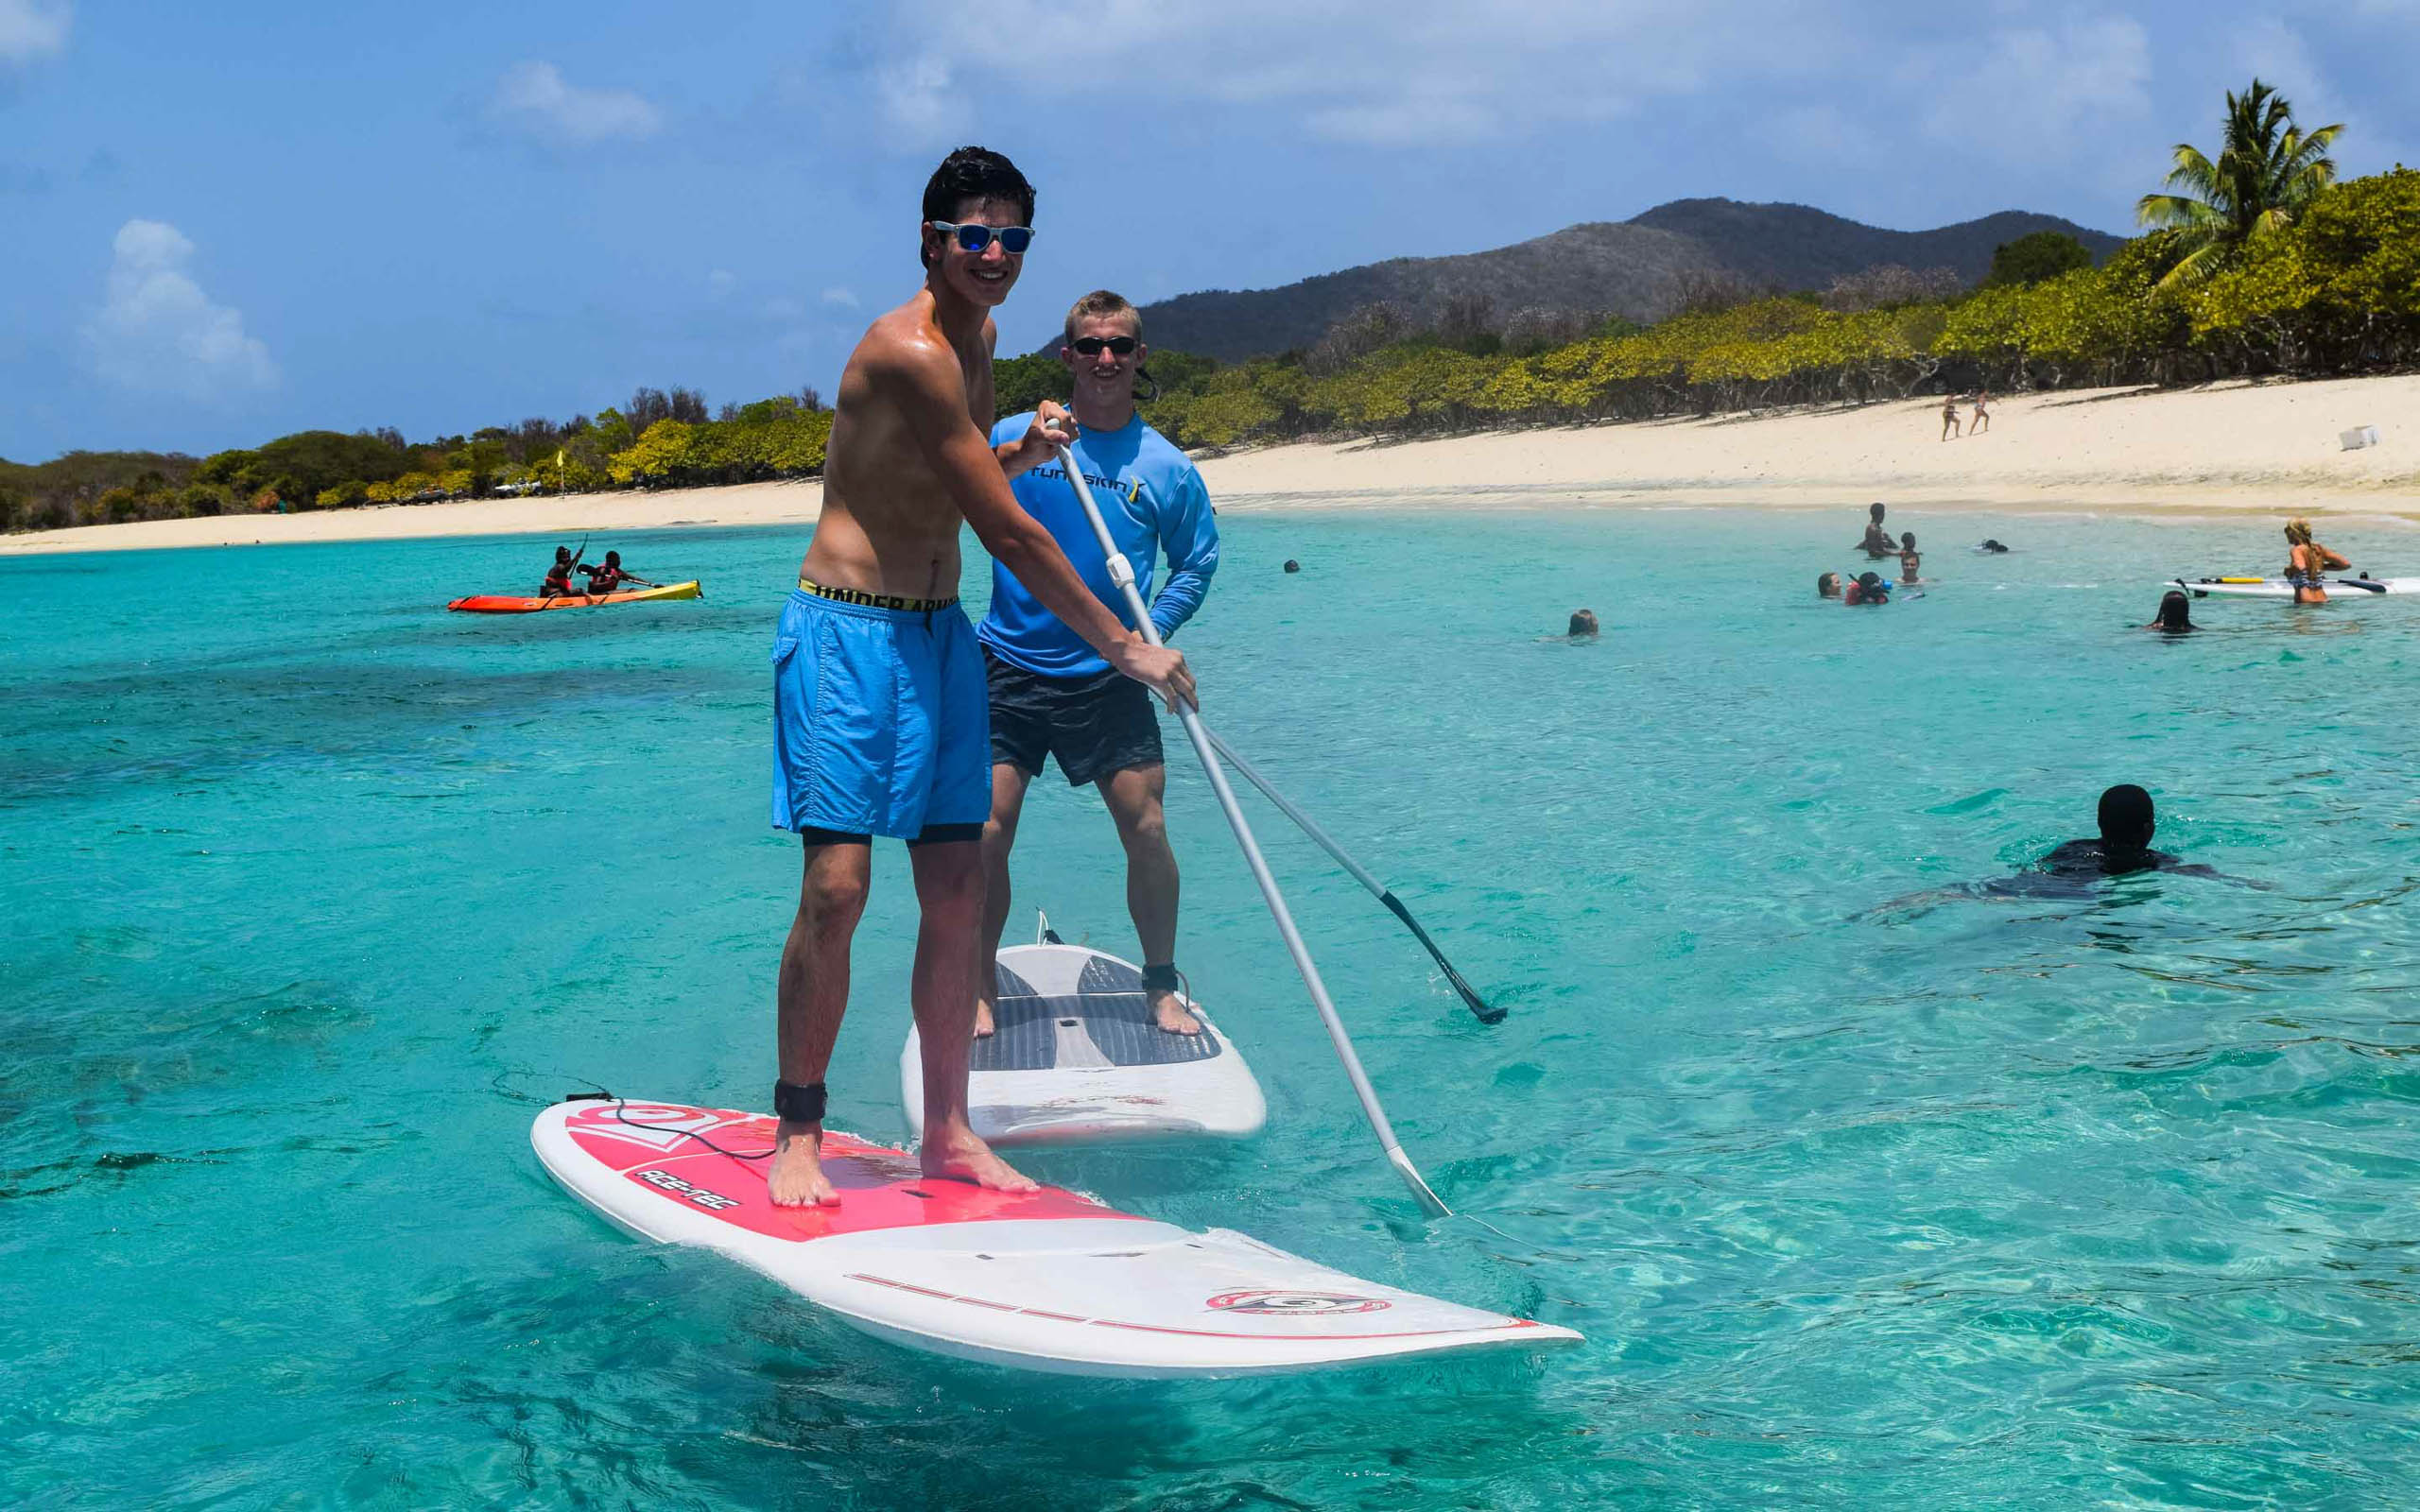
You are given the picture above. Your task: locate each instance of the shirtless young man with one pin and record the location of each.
(881, 715)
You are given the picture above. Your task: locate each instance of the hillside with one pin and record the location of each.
(1632, 268)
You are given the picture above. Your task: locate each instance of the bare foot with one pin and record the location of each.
(983, 1025)
(797, 1179)
(1170, 1013)
(957, 1155)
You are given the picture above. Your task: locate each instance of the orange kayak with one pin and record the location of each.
(507, 604)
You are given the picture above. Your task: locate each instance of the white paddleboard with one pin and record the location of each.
(1045, 1281)
(1076, 1059)
(2278, 587)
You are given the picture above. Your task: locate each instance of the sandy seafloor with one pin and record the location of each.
(2050, 1197)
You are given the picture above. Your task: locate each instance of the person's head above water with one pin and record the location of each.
(562, 553)
(2126, 819)
(1876, 511)
(1990, 545)
(1908, 540)
(2298, 531)
(1583, 622)
(1828, 586)
(612, 559)
(2176, 611)
(1293, 566)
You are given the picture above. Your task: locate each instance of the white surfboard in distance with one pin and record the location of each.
(1047, 1281)
(2278, 587)
(1076, 1059)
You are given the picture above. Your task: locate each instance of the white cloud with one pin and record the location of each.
(916, 97)
(157, 331)
(31, 31)
(845, 299)
(2072, 85)
(1384, 71)
(533, 97)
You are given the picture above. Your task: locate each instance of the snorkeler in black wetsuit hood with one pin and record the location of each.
(2069, 871)
(2124, 846)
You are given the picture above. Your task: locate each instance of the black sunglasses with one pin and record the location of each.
(1091, 346)
(1014, 239)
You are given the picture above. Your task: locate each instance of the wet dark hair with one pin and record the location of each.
(1583, 622)
(1293, 566)
(562, 553)
(972, 173)
(1875, 509)
(2126, 818)
(1827, 585)
(1908, 540)
(612, 559)
(2176, 611)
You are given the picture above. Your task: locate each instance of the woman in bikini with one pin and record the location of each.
(2307, 563)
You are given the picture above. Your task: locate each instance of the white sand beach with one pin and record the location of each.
(2270, 447)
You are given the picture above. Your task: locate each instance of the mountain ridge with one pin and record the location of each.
(1636, 268)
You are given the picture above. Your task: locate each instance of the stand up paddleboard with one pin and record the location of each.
(1045, 1281)
(1076, 1059)
(2278, 587)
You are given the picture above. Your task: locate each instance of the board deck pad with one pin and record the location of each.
(1075, 1059)
(1048, 1280)
(1105, 1021)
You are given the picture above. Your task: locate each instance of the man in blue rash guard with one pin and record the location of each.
(1052, 694)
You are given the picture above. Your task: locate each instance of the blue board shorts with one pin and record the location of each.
(881, 722)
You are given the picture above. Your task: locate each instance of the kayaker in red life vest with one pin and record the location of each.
(610, 577)
(557, 583)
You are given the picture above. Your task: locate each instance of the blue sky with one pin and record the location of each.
(222, 222)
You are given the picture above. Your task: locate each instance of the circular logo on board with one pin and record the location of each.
(1294, 1302)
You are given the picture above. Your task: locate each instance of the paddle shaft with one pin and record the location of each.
(1487, 1013)
(1122, 574)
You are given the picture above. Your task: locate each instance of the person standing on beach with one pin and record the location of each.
(1982, 420)
(1051, 695)
(880, 724)
(1949, 418)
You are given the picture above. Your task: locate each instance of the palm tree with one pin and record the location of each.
(2267, 172)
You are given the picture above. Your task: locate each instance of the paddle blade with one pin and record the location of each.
(1430, 1202)
(1478, 1005)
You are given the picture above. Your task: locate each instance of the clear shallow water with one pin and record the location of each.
(2030, 1202)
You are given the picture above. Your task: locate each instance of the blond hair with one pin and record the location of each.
(1099, 302)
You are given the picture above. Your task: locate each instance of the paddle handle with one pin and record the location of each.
(1121, 572)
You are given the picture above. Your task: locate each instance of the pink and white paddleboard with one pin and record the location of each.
(1044, 1280)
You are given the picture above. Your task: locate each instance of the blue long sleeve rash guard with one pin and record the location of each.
(1153, 502)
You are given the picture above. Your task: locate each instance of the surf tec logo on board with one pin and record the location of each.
(667, 1181)
(1295, 1303)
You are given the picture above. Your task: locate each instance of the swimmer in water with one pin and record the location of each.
(2307, 563)
(1877, 542)
(1869, 588)
(1293, 566)
(2071, 868)
(2123, 846)
(1992, 547)
(2176, 614)
(1583, 624)
(1909, 560)
(1828, 586)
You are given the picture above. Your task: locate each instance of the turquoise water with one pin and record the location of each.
(316, 893)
